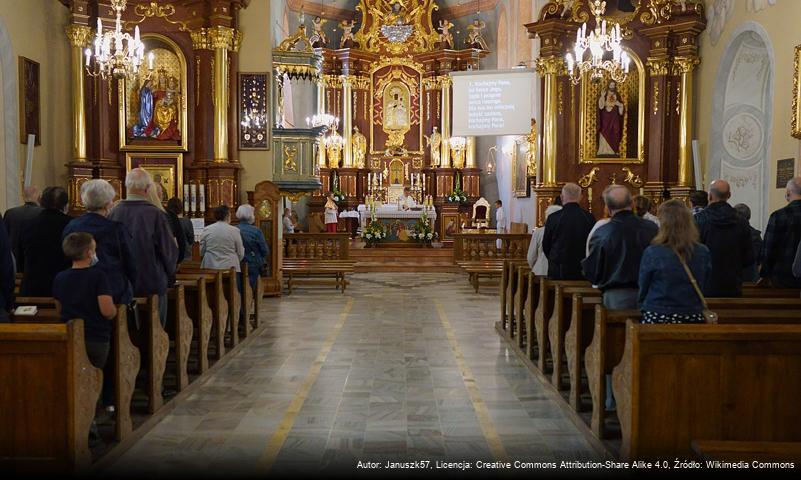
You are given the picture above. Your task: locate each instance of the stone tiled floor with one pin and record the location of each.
(391, 387)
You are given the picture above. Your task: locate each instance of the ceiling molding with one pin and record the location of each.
(314, 8)
(468, 8)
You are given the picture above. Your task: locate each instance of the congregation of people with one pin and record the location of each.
(112, 253)
(667, 264)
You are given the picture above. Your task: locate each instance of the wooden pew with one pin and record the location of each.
(519, 304)
(197, 304)
(578, 338)
(508, 291)
(676, 383)
(550, 303)
(219, 305)
(157, 348)
(315, 269)
(532, 301)
(182, 329)
(231, 295)
(558, 324)
(47, 399)
(124, 356)
(482, 269)
(608, 339)
(247, 302)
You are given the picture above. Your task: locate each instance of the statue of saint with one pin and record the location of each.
(143, 127)
(532, 150)
(434, 142)
(166, 118)
(474, 37)
(610, 121)
(347, 33)
(445, 36)
(359, 146)
(318, 38)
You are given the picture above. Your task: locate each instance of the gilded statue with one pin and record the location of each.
(334, 152)
(434, 142)
(347, 33)
(475, 39)
(532, 149)
(166, 118)
(359, 146)
(445, 36)
(319, 38)
(396, 116)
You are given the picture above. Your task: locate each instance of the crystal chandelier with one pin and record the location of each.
(599, 42)
(117, 54)
(323, 120)
(397, 33)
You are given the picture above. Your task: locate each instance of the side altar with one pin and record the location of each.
(384, 92)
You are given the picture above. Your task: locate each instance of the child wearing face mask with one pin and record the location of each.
(83, 292)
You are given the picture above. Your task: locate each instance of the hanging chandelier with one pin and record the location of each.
(397, 33)
(117, 53)
(599, 42)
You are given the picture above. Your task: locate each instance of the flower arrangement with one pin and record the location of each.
(457, 196)
(374, 232)
(423, 231)
(338, 195)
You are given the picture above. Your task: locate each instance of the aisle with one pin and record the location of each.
(405, 366)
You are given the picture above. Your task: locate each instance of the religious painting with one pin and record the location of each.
(153, 108)
(451, 225)
(254, 125)
(520, 183)
(612, 117)
(796, 120)
(166, 170)
(29, 105)
(396, 108)
(785, 171)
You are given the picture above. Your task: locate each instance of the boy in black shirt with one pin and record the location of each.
(83, 292)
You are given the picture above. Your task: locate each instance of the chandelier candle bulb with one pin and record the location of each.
(150, 57)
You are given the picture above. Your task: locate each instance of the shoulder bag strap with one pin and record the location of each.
(692, 280)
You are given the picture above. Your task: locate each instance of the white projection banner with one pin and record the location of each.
(492, 102)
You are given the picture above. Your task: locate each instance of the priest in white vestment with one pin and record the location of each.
(407, 201)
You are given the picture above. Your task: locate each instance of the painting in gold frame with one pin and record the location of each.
(796, 120)
(380, 78)
(631, 147)
(29, 103)
(166, 169)
(153, 108)
(520, 181)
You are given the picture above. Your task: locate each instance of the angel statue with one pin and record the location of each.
(445, 36)
(474, 36)
(347, 33)
(318, 38)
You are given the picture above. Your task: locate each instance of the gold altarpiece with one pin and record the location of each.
(637, 133)
(397, 95)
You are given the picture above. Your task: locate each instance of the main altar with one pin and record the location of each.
(387, 83)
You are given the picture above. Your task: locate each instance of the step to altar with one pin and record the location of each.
(403, 259)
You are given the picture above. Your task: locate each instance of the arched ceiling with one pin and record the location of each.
(346, 9)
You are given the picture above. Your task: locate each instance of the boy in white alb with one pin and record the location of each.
(500, 221)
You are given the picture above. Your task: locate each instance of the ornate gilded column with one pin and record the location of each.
(319, 111)
(220, 40)
(78, 36)
(445, 83)
(684, 67)
(347, 120)
(470, 159)
(549, 67)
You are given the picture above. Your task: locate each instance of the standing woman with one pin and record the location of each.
(256, 249)
(674, 269)
(331, 214)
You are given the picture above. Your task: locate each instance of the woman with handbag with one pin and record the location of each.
(673, 270)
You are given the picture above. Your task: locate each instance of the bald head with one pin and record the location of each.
(794, 189)
(138, 181)
(30, 194)
(617, 198)
(571, 193)
(719, 191)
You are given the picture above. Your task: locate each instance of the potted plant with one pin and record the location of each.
(423, 231)
(373, 233)
(457, 196)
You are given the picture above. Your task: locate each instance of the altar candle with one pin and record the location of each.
(150, 57)
(202, 207)
(193, 198)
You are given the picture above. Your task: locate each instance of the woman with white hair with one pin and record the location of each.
(536, 257)
(114, 253)
(256, 249)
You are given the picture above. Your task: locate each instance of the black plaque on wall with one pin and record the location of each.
(253, 124)
(785, 171)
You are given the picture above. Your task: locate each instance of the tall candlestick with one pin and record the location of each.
(186, 198)
(193, 198)
(202, 207)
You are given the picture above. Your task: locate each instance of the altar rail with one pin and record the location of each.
(323, 246)
(469, 247)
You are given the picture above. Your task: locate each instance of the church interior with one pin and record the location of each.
(393, 173)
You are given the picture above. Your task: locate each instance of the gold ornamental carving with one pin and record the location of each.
(795, 124)
(656, 97)
(78, 35)
(158, 10)
(657, 11)
(290, 44)
(682, 65)
(552, 65)
(290, 164)
(216, 37)
(632, 179)
(360, 83)
(432, 83)
(659, 67)
(378, 13)
(590, 178)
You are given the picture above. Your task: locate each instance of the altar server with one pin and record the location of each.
(500, 221)
(331, 214)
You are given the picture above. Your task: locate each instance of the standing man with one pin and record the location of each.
(500, 217)
(616, 249)
(699, 199)
(781, 240)
(15, 217)
(728, 237)
(565, 237)
(154, 246)
(289, 227)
